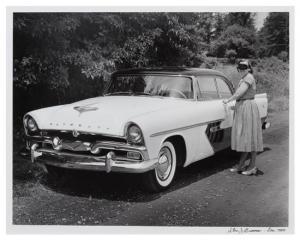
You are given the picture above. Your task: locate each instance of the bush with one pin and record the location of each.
(231, 55)
(279, 104)
(283, 55)
(272, 75)
(209, 62)
(236, 37)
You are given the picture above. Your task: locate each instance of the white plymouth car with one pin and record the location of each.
(149, 121)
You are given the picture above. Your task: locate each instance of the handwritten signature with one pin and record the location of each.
(254, 230)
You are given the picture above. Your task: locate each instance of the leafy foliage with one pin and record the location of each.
(274, 35)
(63, 57)
(240, 39)
(219, 24)
(283, 55)
(244, 19)
(231, 55)
(273, 75)
(47, 44)
(163, 39)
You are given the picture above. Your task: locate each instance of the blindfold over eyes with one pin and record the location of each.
(242, 66)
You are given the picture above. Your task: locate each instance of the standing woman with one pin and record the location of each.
(246, 134)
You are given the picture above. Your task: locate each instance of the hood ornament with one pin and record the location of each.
(82, 109)
(75, 133)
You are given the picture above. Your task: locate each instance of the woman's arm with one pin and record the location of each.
(238, 93)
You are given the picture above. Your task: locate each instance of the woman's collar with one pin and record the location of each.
(245, 75)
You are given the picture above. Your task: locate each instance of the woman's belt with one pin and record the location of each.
(243, 99)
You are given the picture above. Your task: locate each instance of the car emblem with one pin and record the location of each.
(82, 109)
(75, 133)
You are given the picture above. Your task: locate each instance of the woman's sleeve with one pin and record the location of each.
(249, 79)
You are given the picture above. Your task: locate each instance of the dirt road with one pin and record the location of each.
(204, 194)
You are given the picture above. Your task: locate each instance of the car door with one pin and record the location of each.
(214, 89)
(225, 91)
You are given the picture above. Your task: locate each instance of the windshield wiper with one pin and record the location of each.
(142, 93)
(128, 93)
(119, 93)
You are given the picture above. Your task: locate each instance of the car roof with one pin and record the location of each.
(171, 70)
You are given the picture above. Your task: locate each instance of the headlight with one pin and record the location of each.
(134, 134)
(30, 124)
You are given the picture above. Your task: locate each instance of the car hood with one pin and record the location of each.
(107, 115)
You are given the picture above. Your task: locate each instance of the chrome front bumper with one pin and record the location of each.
(80, 158)
(86, 162)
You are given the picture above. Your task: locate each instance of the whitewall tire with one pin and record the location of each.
(162, 176)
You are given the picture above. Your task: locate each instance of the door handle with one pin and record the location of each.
(232, 107)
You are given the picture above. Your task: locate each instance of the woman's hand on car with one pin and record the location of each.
(225, 101)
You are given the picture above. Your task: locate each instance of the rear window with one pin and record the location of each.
(207, 87)
(223, 88)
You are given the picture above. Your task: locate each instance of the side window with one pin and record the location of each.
(223, 88)
(207, 87)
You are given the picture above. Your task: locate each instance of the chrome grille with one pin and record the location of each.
(85, 137)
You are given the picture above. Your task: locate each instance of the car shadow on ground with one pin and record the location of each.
(116, 186)
(127, 187)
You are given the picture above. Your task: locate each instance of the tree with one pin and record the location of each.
(63, 57)
(240, 39)
(47, 44)
(274, 35)
(244, 19)
(218, 24)
(205, 26)
(163, 39)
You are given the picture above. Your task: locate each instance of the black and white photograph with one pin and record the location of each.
(152, 118)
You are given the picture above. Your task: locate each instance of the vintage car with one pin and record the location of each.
(149, 121)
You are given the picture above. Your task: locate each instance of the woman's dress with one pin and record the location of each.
(246, 135)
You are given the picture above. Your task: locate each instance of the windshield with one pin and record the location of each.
(152, 85)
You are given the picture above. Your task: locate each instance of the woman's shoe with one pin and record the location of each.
(252, 171)
(237, 169)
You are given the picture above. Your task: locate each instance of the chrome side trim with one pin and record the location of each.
(184, 128)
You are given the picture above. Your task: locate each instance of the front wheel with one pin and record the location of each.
(162, 176)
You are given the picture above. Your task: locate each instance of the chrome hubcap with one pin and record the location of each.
(164, 163)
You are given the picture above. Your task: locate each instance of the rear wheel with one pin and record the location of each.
(162, 176)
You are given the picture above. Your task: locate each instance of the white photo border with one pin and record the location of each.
(39, 229)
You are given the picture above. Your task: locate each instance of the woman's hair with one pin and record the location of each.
(243, 65)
